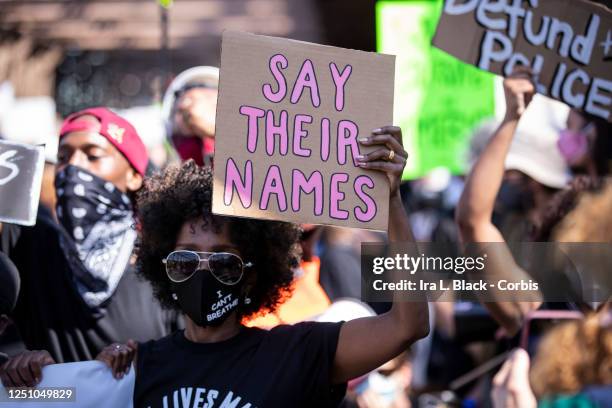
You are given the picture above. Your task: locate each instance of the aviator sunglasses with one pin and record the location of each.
(226, 267)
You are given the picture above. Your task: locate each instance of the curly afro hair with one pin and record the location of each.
(181, 193)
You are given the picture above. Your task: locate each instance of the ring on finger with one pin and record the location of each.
(391, 155)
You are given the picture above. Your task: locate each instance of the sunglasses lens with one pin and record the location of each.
(181, 265)
(227, 268)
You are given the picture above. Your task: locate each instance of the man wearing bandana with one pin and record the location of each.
(79, 291)
(101, 160)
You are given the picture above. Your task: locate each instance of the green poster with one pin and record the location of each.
(438, 99)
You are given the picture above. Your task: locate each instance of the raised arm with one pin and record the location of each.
(367, 343)
(475, 209)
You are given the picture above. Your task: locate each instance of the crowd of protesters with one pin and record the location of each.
(127, 264)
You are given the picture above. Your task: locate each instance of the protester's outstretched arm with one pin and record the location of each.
(367, 343)
(475, 209)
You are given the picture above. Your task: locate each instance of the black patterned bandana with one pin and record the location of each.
(99, 218)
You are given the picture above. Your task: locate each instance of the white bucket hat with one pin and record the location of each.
(534, 150)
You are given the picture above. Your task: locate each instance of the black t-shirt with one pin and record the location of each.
(287, 366)
(50, 313)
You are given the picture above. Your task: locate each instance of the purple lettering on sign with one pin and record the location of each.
(253, 114)
(277, 62)
(273, 185)
(306, 78)
(233, 180)
(280, 130)
(370, 212)
(336, 196)
(340, 79)
(308, 185)
(325, 139)
(299, 133)
(347, 137)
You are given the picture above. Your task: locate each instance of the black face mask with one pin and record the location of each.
(205, 300)
(513, 197)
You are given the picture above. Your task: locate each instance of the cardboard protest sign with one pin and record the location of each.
(567, 43)
(289, 115)
(21, 168)
(438, 99)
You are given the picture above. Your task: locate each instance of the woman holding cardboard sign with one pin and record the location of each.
(218, 270)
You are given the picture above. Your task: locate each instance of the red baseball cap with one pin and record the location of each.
(117, 130)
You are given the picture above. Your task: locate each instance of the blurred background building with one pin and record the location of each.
(60, 56)
(122, 53)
